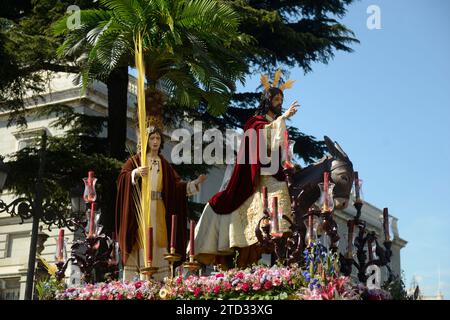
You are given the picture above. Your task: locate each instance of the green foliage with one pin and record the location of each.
(28, 51)
(187, 47)
(396, 288)
(67, 160)
(46, 289)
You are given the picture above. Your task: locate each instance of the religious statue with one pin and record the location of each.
(168, 194)
(230, 217)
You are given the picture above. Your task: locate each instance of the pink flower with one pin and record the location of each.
(328, 291)
(268, 285)
(276, 282)
(138, 284)
(227, 286)
(220, 275)
(103, 297)
(120, 296)
(139, 295)
(245, 287)
(197, 292)
(240, 275)
(256, 286)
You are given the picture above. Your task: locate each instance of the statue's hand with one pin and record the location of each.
(142, 171)
(291, 110)
(201, 178)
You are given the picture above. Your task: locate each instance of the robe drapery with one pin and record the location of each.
(244, 179)
(174, 192)
(230, 217)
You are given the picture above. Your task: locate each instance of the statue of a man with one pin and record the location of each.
(230, 217)
(168, 196)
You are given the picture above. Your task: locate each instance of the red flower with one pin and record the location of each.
(103, 297)
(245, 287)
(328, 292)
(227, 285)
(220, 275)
(240, 275)
(197, 292)
(137, 285)
(120, 296)
(216, 289)
(139, 295)
(268, 285)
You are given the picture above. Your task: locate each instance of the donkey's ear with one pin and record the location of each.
(331, 147)
(335, 149)
(339, 149)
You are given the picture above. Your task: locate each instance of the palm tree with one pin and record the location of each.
(190, 48)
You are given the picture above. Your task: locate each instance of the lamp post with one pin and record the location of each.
(37, 214)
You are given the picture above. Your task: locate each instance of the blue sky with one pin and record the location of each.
(388, 106)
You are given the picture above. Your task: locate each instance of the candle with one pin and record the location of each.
(150, 245)
(357, 195)
(287, 163)
(191, 234)
(60, 244)
(350, 226)
(286, 145)
(264, 196)
(275, 214)
(92, 221)
(91, 192)
(325, 187)
(386, 224)
(369, 246)
(310, 227)
(173, 232)
(90, 177)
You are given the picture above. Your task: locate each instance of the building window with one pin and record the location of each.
(18, 245)
(10, 289)
(28, 138)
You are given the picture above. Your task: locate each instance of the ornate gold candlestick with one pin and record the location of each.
(149, 271)
(172, 257)
(191, 265)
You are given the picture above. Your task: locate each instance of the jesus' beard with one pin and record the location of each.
(276, 110)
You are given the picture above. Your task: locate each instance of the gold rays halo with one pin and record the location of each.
(276, 79)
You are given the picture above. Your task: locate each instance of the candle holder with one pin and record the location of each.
(192, 265)
(172, 257)
(61, 267)
(381, 257)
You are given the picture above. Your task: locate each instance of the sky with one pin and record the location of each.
(388, 105)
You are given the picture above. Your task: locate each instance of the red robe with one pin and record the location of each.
(244, 178)
(175, 202)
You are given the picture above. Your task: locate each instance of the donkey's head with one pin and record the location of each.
(341, 174)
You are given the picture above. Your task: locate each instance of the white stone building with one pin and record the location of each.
(15, 237)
